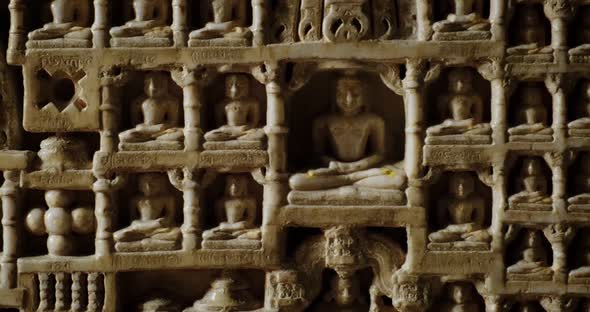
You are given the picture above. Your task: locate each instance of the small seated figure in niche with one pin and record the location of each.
(530, 34)
(238, 209)
(466, 23)
(156, 114)
(581, 202)
(584, 270)
(466, 107)
(532, 117)
(461, 299)
(228, 26)
(147, 29)
(534, 189)
(69, 28)
(581, 126)
(351, 144)
(583, 29)
(229, 293)
(534, 264)
(155, 226)
(465, 212)
(344, 296)
(240, 115)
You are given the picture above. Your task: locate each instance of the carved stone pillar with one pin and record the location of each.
(557, 163)
(497, 14)
(100, 37)
(191, 228)
(17, 34)
(93, 289)
(60, 290)
(558, 85)
(414, 107)
(423, 20)
(275, 182)
(494, 73)
(559, 235)
(558, 12)
(76, 292)
(499, 198)
(43, 292)
(10, 193)
(103, 192)
(179, 23)
(259, 16)
(191, 82)
(110, 111)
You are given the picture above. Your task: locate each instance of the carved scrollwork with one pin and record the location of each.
(345, 21)
(391, 76)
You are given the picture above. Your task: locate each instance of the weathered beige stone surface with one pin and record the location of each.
(295, 155)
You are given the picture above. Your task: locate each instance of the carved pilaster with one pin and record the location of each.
(188, 183)
(100, 37)
(558, 12)
(60, 289)
(414, 107)
(559, 235)
(259, 17)
(191, 82)
(43, 292)
(497, 20)
(17, 34)
(423, 20)
(10, 193)
(110, 109)
(104, 206)
(76, 292)
(494, 73)
(557, 161)
(179, 23)
(559, 85)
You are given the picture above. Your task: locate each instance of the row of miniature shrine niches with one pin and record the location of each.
(236, 23)
(458, 109)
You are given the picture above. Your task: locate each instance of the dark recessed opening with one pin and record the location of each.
(64, 90)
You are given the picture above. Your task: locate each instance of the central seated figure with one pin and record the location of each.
(466, 107)
(240, 115)
(351, 144)
(69, 28)
(159, 112)
(148, 29)
(465, 212)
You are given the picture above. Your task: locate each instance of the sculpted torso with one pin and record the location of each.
(156, 110)
(349, 136)
(462, 211)
(64, 10)
(153, 208)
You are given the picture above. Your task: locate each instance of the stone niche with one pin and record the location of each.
(451, 228)
(192, 290)
(158, 129)
(530, 187)
(529, 257)
(530, 114)
(318, 97)
(156, 32)
(458, 89)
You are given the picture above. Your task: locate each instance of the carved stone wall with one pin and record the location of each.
(295, 155)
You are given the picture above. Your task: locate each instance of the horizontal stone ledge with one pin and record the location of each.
(365, 216)
(170, 260)
(363, 50)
